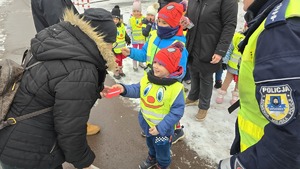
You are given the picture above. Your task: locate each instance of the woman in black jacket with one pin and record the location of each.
(74, 61)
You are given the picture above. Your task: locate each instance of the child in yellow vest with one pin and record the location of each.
(134, 28)
(231, 59)
(149, 23)
(121, 41)
(162, 104)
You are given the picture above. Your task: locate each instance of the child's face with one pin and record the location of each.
(162, 23)
(116, 20)
(150, 17)
(159, 70)
(136, 13)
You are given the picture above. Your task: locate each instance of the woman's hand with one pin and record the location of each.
(105, 90)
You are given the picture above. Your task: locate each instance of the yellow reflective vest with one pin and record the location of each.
(120, 40)
(251, 122)
(156, 100)
(236, 55)
(136, 30)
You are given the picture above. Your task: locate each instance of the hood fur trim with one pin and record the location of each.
(86, 27)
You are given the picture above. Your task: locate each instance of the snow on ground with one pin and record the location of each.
(2, 34)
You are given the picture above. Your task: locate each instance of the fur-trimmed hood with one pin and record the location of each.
(73, 38)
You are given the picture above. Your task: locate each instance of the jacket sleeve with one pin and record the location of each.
(170, 120)
(183, 63)
(53, 12)
(74, 97)
(276, 74)
(228, 54)
(127, 39)
(132, 91)
(146, 27)
(229, 10)
(139, 54)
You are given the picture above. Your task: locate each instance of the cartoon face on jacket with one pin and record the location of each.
(153, 99)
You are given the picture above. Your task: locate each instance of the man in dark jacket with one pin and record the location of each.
(49, 12)
(207, 43)
(74, 58)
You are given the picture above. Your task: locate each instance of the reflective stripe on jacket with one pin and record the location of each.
(136, 30)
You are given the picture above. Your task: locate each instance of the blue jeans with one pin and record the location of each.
(218, 75)
(159, 148)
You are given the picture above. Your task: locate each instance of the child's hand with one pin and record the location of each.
(119, 87)
(125, 51)
(153, 131)
(113, 91)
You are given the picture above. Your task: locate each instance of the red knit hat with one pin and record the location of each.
(170, 57)
(171, 13)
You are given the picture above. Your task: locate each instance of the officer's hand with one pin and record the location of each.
(224, 164)
(224, 66)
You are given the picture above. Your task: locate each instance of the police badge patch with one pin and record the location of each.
(277, 104)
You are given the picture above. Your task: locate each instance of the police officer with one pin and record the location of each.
(267, 133)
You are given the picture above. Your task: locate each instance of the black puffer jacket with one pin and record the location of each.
(215, 23)
(69, 79)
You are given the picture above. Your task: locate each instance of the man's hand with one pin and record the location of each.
(184, 22)
(215, 59)
(125, 51)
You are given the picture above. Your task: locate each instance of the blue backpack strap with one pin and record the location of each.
(277, 15)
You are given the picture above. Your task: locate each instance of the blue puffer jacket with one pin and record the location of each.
(141, 54)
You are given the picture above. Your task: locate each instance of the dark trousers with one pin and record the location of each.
(201, 88)
(159, 148)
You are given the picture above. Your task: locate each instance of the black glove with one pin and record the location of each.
(145, 21)
(224, 66)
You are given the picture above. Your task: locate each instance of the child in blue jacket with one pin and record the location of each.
(168, 32)
(162, 104)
